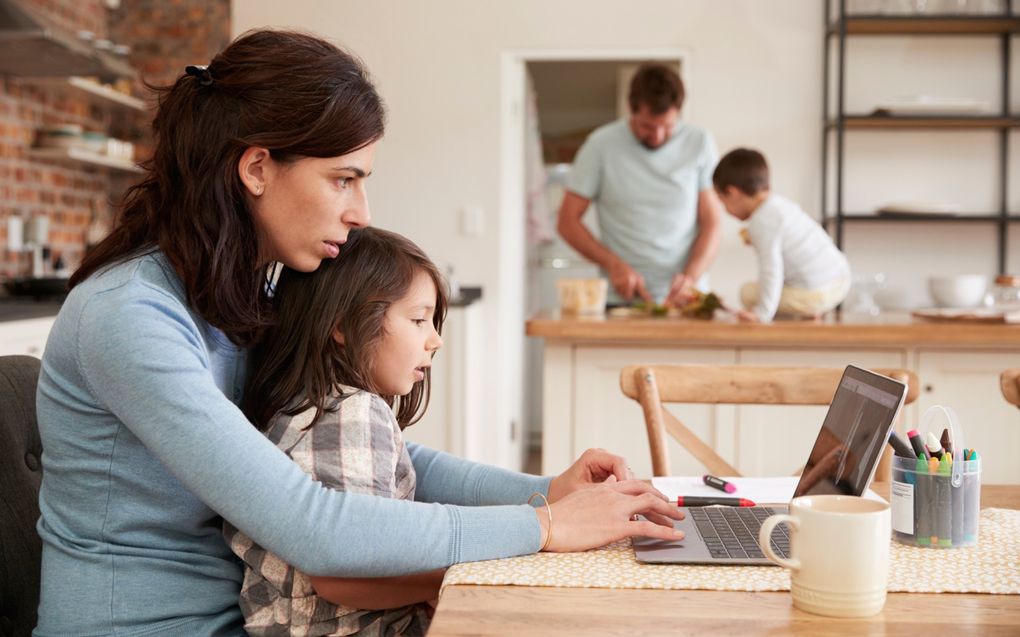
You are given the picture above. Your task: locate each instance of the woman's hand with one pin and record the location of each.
(598, 515)
(594, 466)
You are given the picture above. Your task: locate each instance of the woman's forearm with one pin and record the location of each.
(379, 593)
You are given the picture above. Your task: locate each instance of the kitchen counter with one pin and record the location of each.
(957, 364)
(13, 308)
(889, 329)
(20, 309)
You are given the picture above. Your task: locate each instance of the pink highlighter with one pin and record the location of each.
(719, 483)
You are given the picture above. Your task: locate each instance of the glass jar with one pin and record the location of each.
(1006, 292)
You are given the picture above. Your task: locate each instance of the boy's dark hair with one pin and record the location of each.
(658, 87)
(298, 358)
(744, 169)
(292, 93)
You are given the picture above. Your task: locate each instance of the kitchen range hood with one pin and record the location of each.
(30, 48)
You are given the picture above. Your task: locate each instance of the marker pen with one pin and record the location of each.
(698, 501)
(901, 448)
(719, 483)
(946, 440)
(915, 441)
(935, 447)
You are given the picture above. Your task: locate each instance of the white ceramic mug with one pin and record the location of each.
(839, 548)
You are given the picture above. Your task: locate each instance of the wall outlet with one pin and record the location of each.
(472, 221)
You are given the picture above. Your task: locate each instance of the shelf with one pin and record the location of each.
(79, 156)
(927, 25)
(45, 53)
(909, 217)
(92, 89)
(988, 122)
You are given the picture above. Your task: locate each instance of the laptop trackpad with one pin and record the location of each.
(689, 549)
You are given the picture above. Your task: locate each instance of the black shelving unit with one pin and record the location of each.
(838, 123)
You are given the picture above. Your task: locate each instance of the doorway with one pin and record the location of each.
(552, 102)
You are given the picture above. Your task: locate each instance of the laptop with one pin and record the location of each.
(842, 461)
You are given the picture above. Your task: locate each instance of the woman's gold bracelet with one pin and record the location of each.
(548, 511)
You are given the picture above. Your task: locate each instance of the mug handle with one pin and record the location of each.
(765, 539)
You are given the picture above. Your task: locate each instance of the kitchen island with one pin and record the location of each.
(582, 406)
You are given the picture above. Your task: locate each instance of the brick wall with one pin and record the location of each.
(167, 35)
(164, 36)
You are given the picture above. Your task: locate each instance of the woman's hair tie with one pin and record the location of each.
(200, 72)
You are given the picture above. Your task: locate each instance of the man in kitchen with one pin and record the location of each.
(650, 177)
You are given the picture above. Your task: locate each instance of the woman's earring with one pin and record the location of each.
(258, 190)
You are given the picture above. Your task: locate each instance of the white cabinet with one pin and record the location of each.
(25, 337)
(969, 383)
(775, 439)
(757, 439)
(584, 407)
(454, 421)
(614, 422)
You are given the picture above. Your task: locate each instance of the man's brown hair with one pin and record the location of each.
(744, 169)
(658, 87)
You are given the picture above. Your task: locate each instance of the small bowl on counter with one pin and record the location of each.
(960, 290)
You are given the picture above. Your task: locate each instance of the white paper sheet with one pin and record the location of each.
(759, 490)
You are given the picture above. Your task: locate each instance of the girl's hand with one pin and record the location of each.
(593, 517)
(594, 466)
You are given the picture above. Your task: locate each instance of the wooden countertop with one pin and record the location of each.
(892, 330)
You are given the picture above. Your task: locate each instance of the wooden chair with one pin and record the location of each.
(653, 385)
(1010, 383)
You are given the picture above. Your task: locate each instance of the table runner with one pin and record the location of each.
(992, 566)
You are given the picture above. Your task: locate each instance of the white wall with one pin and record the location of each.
(754, 80)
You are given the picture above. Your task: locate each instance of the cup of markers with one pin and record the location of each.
(936, 493)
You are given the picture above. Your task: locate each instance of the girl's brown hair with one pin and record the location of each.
(298, 362)
(292, 93)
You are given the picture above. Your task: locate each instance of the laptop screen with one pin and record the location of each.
(854, 434)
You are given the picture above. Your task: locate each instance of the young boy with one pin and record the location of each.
(801, 273)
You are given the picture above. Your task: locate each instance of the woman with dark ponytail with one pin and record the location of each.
(261, 158)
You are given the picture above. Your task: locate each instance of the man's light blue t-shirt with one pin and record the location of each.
(646, 200)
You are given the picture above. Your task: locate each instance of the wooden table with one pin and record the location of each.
(526, 610)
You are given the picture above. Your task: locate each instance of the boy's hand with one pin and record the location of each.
(747, 316)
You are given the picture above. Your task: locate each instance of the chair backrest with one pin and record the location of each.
(20, 477)
(1010, 383)
(653, 385)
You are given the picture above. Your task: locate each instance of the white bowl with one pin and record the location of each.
(961, 290)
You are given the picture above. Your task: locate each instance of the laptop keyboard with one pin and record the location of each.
(732, 532)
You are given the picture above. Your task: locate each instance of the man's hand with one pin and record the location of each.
(681, 290)
(627, 282)
(746, 316)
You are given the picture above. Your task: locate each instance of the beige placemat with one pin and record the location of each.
(992, 566)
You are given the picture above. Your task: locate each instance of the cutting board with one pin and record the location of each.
(969, 315)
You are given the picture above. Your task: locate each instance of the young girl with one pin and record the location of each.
(353, 344)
